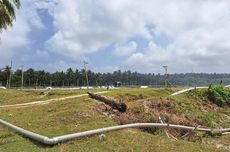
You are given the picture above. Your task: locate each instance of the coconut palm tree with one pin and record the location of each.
(7, 12)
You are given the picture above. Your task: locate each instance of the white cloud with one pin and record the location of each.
(13, 38)
(16, 37)
(105, 69)
(59, 66)
(125, 49)
(88, 26)
(200, 38)
(152, 57)
(198, 31)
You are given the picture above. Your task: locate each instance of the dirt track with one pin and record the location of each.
(21, 105)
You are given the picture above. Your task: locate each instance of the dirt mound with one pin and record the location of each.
(129, 117)
(196, 112)
(167, 110)
(127, 97)
(158, 105)
(150, 111)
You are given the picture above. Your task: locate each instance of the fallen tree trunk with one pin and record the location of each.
(121, 107)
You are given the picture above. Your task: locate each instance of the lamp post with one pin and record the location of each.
(10, 73)
(166, 73)
(86, 75)
(22, 78)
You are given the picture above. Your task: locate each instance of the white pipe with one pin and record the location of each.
(24, 132)
(186, 90)
(226, 133)
(55, 140)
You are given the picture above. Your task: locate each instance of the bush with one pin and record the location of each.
(219, 95)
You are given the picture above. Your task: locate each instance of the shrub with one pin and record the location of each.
(219, 95)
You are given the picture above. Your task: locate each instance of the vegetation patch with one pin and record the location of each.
(219, 95)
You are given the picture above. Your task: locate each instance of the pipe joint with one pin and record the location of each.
(48, 141)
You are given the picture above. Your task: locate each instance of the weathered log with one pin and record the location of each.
(121, 107)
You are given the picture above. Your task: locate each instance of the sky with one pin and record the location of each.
(142, 36)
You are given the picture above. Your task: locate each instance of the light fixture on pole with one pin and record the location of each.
(86, 75)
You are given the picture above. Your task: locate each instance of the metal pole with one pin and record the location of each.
(166, 72)
(10, 73)
(86, 75)
(22, 78)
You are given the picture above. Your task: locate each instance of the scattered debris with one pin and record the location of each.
(102, 137)
(167, 111)
(153, 110)
(51, 110)
(165, 130)
(44, 94)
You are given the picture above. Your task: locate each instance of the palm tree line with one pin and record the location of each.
(77, 77)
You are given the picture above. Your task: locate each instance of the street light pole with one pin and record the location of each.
(86, 75)
(166, 73)
(10, 73)
(22, 78)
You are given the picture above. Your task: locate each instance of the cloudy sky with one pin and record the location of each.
(186, 35)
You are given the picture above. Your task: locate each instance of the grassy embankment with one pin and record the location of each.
(75, 115)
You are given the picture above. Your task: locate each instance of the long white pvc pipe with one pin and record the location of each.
(186, 90)
(55, 140)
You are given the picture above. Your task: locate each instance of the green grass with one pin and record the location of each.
(74, 115)
(24, 96)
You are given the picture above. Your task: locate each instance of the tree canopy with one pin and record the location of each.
(7, 12)
(76, 77)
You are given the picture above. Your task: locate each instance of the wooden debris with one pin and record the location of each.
(165, 130)
(121, 107)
